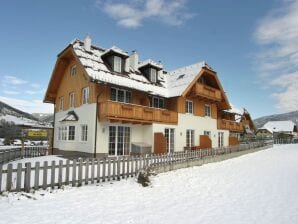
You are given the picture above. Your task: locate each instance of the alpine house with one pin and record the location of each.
(109, 103)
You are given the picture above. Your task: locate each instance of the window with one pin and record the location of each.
(85, 95)
(208, 133)
(157, 102)
(64, 133)
(73, 70)
(119, 140)
(189, 106)
(207, 110)
(220, 139)
(190, 141)
(120, 95)
(153, 74)
(71, 99)
(170, 139)
(59, 133)
(117, 64)
(61, 103)
(71, 133)
(84, 132)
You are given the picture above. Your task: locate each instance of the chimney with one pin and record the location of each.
(87, 43)
(134, 60)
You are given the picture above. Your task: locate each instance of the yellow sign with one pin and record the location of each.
(37, 134)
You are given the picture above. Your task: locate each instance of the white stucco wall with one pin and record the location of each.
(86, 114)
(198, 124)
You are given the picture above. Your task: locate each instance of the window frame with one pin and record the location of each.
(85, 92)
(71, 99)
(190, 137)
(73, 70)
(153, 75)
(208, 133)
(188, 107)
(71, 133)
(84, 133)
(159, 100)
(208, 112)
(119, 64)
(127, 96)
(61, 103)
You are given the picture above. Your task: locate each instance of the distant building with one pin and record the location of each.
(277, 128)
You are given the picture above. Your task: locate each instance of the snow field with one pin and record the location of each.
(258, 188)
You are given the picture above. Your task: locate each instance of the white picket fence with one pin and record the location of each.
(89, 171)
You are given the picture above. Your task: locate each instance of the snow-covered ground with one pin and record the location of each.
(261, 187)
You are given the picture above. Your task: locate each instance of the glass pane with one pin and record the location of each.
(120, 141)
(112, 140)
(155, 102)
(113, 94)
(128, 97)
(161, 103)
(120, 95)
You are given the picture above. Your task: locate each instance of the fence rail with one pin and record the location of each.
(7, 155)
(16, 177)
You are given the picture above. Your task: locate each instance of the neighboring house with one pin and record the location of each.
(275, 128)
(107, 100)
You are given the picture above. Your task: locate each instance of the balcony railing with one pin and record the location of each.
(230, 125)
(208, 92)
(123, 112)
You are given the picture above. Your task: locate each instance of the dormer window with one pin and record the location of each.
(73, 70)
(117, 64)
(153, 75)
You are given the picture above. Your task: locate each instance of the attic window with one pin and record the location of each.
(153, 74)
(180, 76)
(73, 70)
(117, 64)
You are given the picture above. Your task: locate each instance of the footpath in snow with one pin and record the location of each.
(260, 187)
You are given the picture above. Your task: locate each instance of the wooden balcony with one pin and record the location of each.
(132, 113)
(208, 92)
(230, 125)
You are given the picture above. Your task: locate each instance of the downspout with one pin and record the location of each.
(96, 114)
(53, 133)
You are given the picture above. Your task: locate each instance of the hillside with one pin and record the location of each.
(18, 117)
(293, 116)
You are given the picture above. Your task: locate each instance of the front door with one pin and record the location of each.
(119, 140)
(170, 138)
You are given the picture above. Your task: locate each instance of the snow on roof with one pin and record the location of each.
(178, 80)
(279, 126)
(116, 50)
(150, 62)
(172, 83)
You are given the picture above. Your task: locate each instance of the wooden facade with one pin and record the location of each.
(230, 125)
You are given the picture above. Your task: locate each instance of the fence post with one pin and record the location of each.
(118, 168)
(67, 173)
(86, 171)
(9, 177)
(60, 173)
(92, 171)
(80, 173)
(45, 175)
(1, 168)
(53, 169)
(74, 172)
(27, 177)
(19, 177)
(98, 170)
(36, 176)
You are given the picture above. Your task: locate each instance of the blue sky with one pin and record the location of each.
(253, 45)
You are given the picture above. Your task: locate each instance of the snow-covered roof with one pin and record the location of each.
(22, 121)
(150, 62)
(172, 83)
(279, 126)
(116, 50)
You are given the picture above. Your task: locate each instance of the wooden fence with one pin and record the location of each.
(285, 141)
(16, 177)
(10, 154)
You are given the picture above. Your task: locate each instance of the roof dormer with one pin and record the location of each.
(150, 69)
(115, 58)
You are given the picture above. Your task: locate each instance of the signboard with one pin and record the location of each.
(37, 134)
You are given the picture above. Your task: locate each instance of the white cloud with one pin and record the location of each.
(132, 13)
(12, 80)
(10, 92)
(277, 61)
(30, 106)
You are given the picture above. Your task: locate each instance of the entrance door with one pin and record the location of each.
(119, 140)
(170, 137)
